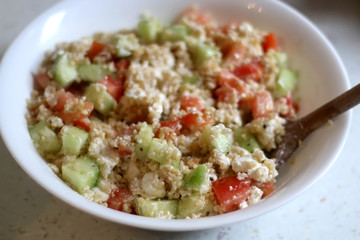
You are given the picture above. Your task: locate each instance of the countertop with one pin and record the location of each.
(330, 209)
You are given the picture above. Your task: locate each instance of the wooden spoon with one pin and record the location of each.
(296, 131)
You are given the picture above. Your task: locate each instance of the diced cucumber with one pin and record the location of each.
(148, 30)
(173, 155)
(192, 79)
(174, 33)
(194, 205)
(285, 82)
(202, 52)
(73, 140)
(103, 101)
(281, 59)
(91, 72)
(217, 137)
(156, 208)
(125, 45)
(158, 150)
(45, 139)
(196, 178)
(143, 141)
(245, 139)
(81, 173)
(63, 72)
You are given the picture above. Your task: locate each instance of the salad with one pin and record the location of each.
(166, 121)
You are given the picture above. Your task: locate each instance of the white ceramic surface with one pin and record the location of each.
(310, 53)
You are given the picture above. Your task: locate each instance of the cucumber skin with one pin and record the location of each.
(44, 138)
(91, 72)
(73, 139)
(195, 178)
(156, 208)
(63, 73)
(81, 173)
(103, 101)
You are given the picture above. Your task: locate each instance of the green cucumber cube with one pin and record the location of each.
(194, 205)
(192, 79)
(44, 139)
(81, 173)
(73, 140)
(125, 45)
(196, 178)
(217, 137)
(156, 208)
(174, 33)
(91, 72)
(245, 139)
(158, 150)
(202, 52)
(281, 59)
(148, 30)
(143, 141)
(63, 72)
(103, 101)
(285, 82)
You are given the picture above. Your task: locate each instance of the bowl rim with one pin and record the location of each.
(85, 205)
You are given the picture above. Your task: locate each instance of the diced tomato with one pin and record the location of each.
(83, 123)
(253, 70)
(196, 119)
(118, 197)
(61, 98)
(225, 94)
(289, 104)
(124, 147)
(234, 54)
(41, 80)
(232, 25)
(261, 104)
(122, 64)
(196, 16)
(270, 42)
(113, 87)
(79, 111)
(227, 78)
(95, 49)
(267, 188)
(187, 102)
(174, 125)
(230, 192)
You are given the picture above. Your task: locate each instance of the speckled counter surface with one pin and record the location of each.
(330, 209)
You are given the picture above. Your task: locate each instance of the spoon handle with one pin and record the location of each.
(329, 111)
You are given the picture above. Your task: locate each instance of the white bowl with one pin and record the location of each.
(322, 77)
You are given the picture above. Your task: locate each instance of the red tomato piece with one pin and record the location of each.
(225, 94)
(174, 125)
(196, 16)
(234, 54)
(79, 110)
(83, 123)
(267, 188)
(289, 104)
(122, 64)
(270, 42)
(113, 87)
(187, 102)
(118, 197)
(230, 192)
(197, 119)
(232, 25)
(261, 104)
(253, 70)
(227, 78)
(95, 49)
(41, 80)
